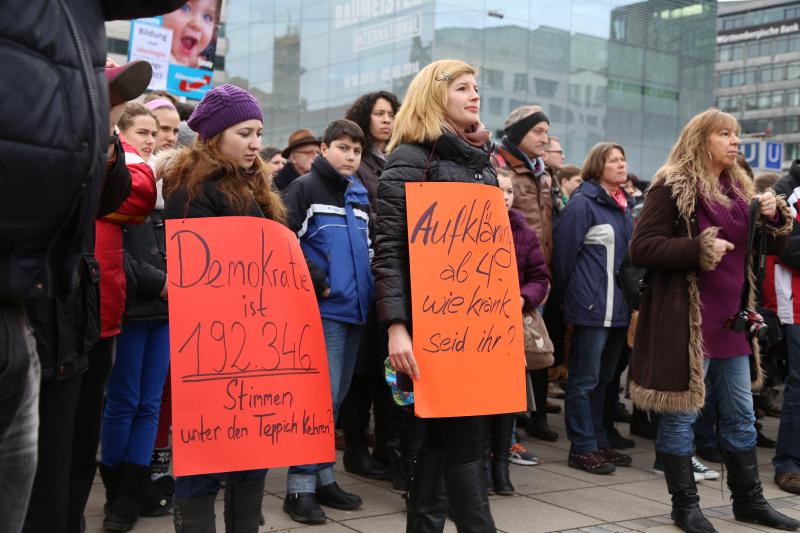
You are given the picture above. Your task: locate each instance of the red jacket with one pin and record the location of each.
(108, 243)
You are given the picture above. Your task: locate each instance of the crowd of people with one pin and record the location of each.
(680, 295)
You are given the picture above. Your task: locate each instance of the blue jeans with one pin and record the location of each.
(19, 415)
(705, 427)
(133, 394)
(593, 361)
(209, 484)
(787, 453)
(728, 380)
(341, 343)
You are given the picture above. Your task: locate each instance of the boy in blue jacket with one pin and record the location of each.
(329, 211)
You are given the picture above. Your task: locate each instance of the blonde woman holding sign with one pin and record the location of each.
(437, 137)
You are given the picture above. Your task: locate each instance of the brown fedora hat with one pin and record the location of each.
(299, 138)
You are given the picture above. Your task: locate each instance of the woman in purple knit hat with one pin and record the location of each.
(692, 237)
(221, 174)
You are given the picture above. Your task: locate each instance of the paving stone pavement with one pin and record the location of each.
(549, 497)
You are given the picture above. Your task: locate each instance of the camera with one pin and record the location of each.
(750, 321)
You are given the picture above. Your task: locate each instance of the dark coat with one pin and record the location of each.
(451, 159)
(667, 359)
(54, 124)
(534, 278)
(67, 326)
(285, 177)
(368, 173)
(786, 187)
(591, 239)
(146, 268)
(209, 202)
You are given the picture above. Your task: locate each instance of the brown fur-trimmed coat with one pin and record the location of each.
(667, 359)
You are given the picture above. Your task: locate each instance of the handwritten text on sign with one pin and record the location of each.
(467, 316)
(250, 386)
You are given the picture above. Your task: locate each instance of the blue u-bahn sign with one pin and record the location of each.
(762, 155)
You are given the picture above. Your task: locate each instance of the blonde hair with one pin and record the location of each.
(422, 116)
(521, 112)
(690, 156)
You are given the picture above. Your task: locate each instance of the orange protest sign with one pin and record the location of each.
(465, 299)
(250, 385)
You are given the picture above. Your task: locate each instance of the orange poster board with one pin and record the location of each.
(250, 385)
(465, 299)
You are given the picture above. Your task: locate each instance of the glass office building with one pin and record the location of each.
(758, 69)
(633, 72)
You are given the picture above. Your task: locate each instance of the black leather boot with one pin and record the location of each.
(685, 502)
(411, 446)
(466, 495)
(388, 455)
(749, 504)
(487, 455)
(155, 502)
(110, 477)
(243, 504)
(539, 429)
(427, 505)
(303, 508)
(127, 504)
(357, 460)
(501, 453)
(194, 515)
(332, 495)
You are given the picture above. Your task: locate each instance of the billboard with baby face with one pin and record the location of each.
(181, 46)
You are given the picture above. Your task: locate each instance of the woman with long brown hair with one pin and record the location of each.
(221, 174)
(692, 236)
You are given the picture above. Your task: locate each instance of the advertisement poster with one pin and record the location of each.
(180, 46)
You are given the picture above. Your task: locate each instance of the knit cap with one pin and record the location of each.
(221, 108)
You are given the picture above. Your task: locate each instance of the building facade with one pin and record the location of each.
(758, 69)
(632, 72)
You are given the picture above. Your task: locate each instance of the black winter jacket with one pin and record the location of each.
(53, 146)
(53, 135)
(146, 268)
(285, 177)
(786, 186)
(451, 159)
(369, 171)
(66, 326)
(209, 202)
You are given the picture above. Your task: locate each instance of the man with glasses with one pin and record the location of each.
(553, 162)
(301, 151)
(553, 155)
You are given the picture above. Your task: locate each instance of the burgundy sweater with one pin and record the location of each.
(721, 288)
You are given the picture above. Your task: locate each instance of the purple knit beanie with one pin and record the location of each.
(221, 108)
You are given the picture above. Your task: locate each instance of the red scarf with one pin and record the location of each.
(620, 198)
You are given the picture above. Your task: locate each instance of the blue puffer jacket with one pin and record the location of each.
(330, 214)
(590, 242)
